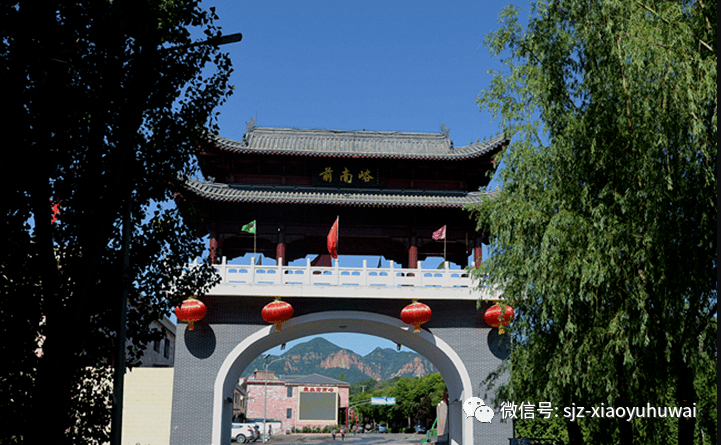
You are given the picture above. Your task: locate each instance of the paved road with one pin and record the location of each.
(358, 439)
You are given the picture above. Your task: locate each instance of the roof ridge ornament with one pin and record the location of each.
(446, 131)
(249, 126)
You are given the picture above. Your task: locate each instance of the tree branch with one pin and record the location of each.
(669, 23)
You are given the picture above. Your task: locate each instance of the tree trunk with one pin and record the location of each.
(574, 433)
(685, 397)
(625, 430)
(52, 394)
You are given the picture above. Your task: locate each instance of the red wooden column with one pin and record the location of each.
(477, 253)
(213, 247)
(412, 257)
(412, 254)
(280, 248)
(280, 253)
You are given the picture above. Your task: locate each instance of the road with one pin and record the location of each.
(358, 439)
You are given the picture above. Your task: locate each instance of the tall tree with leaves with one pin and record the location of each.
(104, 100)
(603, 235)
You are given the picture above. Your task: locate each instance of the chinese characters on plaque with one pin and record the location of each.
(347, 175)
(315, 389)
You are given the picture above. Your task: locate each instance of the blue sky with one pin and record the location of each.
(377, 65)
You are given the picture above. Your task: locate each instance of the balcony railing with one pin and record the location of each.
(252, 274)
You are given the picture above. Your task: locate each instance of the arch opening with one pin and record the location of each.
(443, 357)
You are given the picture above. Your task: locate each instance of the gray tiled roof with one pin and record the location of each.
(367, 144)
(334, 196)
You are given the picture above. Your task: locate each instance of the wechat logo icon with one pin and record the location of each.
(474, 406)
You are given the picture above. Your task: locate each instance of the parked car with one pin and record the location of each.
(272, 426)
(420, 429)
(242, 432)
(382, 428)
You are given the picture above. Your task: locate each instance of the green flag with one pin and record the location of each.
(250, 227)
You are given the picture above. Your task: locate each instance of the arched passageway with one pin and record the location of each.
(209, 359)
(433, 348)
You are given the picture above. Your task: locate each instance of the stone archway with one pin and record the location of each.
(425, 343)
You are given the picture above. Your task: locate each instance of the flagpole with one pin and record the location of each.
(445, 237)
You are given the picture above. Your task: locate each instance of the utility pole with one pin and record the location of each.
(265, 394)
(116, 420)
(265, 397)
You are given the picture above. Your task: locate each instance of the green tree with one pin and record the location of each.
(103, 100)
(603, 235)
(362, 386)
(416, 399)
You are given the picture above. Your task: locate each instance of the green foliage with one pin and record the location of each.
(103, 100)
(327, 429)
(363, 385)
(603, 235)
(416, 399)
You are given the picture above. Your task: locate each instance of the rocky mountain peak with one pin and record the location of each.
(320, 356)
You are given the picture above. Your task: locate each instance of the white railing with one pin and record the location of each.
(236, 274)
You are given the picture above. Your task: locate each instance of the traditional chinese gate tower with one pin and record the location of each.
(390, 191)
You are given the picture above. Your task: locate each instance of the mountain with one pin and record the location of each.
(323, 357)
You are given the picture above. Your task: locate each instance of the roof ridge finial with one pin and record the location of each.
(249, 126)
(446, 131)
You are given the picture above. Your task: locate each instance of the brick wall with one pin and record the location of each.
(278, 401)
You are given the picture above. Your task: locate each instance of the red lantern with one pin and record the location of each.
(191, 311)
(277, 312)
(499, 316)
(416, 314)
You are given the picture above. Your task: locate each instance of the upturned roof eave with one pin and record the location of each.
(391, 140)
(287, 195)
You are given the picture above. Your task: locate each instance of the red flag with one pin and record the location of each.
(56, 210)
(440, 233)
(333, 240)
